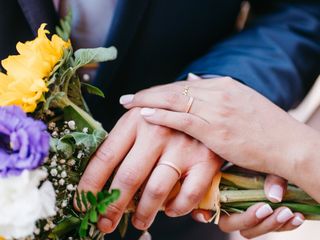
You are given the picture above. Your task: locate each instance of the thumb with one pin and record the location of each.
(275, 187)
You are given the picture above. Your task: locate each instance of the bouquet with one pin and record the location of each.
(47, 137)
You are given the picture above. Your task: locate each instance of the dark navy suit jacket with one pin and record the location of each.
(160, 41)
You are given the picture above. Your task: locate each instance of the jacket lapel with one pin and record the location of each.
(124, 26)
(38, 12)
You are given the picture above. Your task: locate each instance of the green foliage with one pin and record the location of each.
(93, 90)
(94, 205)
(85, 56)
(64, 30)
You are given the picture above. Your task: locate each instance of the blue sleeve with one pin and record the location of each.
(278, 54)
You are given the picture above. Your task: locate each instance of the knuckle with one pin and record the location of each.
(226, 111)
(104, 155)
(172, 98)
(160, 131)
(114, 211)
(132, 113)
(187, 122)
(89, 182)
(193, 196)
(129, 178)
(156, 191)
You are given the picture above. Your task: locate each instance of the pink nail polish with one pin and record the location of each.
(264, 211)
(147, 111)
(297, 221)
(145, 236)
(126, 99)
(276, 193)
(284, 215)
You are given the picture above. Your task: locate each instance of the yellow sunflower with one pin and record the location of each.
(25, 80)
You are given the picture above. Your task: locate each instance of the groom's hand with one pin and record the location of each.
(143, 151)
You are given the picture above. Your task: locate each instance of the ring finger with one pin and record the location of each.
(158, 187)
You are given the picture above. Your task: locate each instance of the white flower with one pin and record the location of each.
(22, 203)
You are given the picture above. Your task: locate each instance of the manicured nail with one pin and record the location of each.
(284, 215)
(200, 218)
(264, 211)
(145, 236)
(276, 193)
(147, 111)
(297, 221)
(126, 99)
(192, 76)
(139, 223)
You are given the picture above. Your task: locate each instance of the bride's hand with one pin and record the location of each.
(259, 219)
(231, 119)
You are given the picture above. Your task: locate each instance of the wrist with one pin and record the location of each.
(303, 160)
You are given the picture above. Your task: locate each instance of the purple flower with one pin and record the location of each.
(24, 142)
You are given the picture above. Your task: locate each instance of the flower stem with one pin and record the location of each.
(95, 125)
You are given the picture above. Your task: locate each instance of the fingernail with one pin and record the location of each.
(284, 215)
(276, 193)
(139, 223)
(200, 218)
(106, 224)
(264, 211)
(147, 111)
(192, 76)
(297, 221)
(171, 213)
(145, 236)
(126, 99)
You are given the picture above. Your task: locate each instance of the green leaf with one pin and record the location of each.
(84, 200)
(93, 215)
(100, 196)
(85, 56)
(78, 200)
(93, 90)
(112, 197)
(71, 114)
(101, 208)
(91, 198)
(51, 101)
(84, 226)
(68, 224)
(65, 146)
(64, 30)
(53, 144)
(90, 141)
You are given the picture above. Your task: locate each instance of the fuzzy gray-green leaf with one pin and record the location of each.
(85, 56)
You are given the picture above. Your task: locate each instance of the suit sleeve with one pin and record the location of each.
(278, 54)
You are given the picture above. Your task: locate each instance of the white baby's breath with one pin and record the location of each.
(23, 202)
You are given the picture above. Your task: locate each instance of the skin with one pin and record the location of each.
(239, 125)
(134, 148)
(254, 137)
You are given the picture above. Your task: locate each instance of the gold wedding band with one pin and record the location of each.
(171, 165)
(189, 105)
